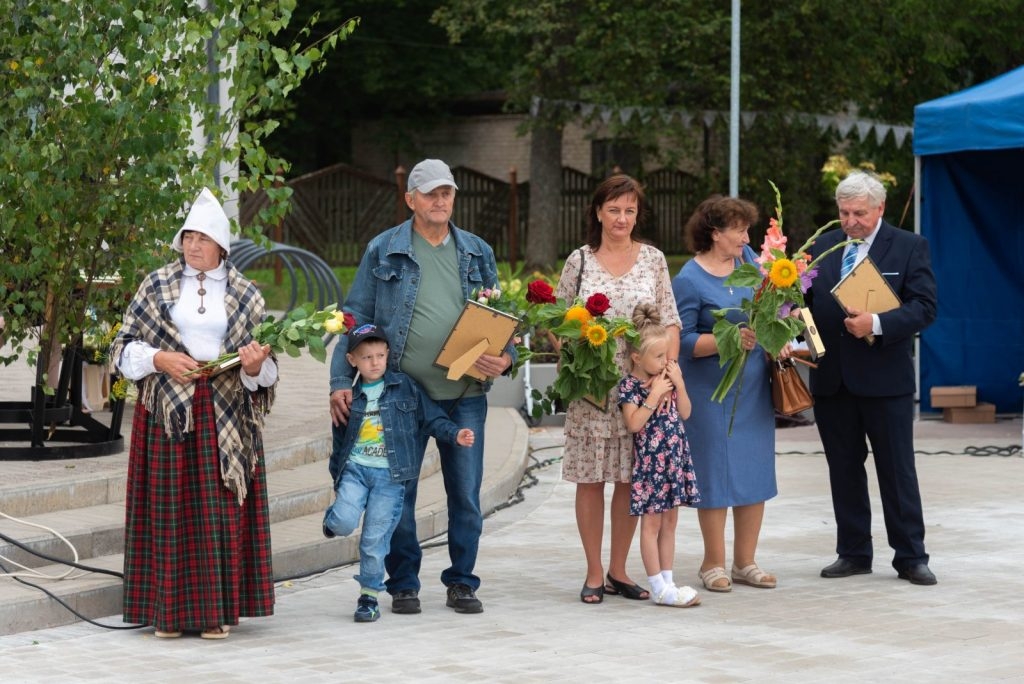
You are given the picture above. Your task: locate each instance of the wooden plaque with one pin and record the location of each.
(478, 330)
(866, 289)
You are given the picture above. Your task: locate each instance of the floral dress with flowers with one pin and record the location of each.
(598, 447)
(663, 476)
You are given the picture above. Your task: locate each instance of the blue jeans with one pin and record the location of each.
(370, 490)
(462, 469)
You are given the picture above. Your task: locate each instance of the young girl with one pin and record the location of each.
(653, 400)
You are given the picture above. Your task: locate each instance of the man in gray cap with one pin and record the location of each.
(428, 254)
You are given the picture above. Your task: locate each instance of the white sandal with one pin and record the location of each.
(686, 597)
(709, 577)
(753, 576)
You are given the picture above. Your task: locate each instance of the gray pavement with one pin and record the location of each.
(534, 628)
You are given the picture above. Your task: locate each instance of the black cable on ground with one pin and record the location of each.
(59, 561)
(63, 603)
(1011, 450)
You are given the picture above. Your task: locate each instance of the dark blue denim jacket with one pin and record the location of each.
(387, 281)
(406, 412)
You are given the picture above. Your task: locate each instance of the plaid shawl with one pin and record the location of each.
(239, 412)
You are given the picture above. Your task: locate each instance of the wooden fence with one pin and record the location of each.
(336, 211)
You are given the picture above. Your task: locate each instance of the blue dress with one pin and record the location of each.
(737, 469)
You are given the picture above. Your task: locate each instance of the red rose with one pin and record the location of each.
(597, 304)
(350, 321)
(539, 292)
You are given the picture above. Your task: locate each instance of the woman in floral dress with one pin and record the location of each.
(598, 448)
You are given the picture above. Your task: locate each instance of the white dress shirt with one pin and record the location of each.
(862, 251)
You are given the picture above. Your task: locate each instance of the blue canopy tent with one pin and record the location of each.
(969, 149)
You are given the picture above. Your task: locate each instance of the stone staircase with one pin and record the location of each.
(83, 500)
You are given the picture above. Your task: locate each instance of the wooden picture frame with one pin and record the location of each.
(480, 329)
(866, 289)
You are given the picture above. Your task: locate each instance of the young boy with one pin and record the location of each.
(375, 454)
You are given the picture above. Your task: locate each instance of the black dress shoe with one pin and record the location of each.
(844, 568)
(918, 574)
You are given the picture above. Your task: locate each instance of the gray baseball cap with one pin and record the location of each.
(430, 174)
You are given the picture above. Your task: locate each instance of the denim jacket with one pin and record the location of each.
(387, 281)
(406, 413)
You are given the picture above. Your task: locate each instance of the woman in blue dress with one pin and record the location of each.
(734, 470)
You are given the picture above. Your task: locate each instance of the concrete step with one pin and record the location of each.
(88, 482)
(294, 491)
(298, 496)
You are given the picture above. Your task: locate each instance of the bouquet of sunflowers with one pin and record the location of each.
(779, 281)
(587, 368)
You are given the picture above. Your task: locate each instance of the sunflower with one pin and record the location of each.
(596, 335)
(578, 313)
(783, 273)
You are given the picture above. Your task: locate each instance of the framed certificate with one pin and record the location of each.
(478, 330)
(866, 289)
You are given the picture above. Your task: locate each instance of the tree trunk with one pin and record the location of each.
(544, 231)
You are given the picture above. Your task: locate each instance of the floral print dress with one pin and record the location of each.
(663, 476)
(598, 448)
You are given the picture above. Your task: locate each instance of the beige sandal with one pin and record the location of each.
(216, 632)
(753, 576)
(160, 634)
(710, 577)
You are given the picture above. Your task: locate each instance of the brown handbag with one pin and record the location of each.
(789, 393)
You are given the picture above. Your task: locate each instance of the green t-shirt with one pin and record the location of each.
(438, 305)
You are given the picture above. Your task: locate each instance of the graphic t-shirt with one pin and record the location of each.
(369, 449)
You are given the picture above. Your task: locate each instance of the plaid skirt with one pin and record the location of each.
(194, 558)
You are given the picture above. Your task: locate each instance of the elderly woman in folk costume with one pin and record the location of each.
(197, 538)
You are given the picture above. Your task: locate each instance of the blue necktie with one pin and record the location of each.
(849, 259)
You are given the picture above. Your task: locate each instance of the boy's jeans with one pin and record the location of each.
(370, 490)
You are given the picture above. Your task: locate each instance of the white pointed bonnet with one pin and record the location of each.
(207, 217)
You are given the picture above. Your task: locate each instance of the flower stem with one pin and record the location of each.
(736, 397)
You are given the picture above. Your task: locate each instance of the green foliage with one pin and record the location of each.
(399, 70)
(108, 132)
(303, 327)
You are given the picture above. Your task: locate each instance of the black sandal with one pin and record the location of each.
(591, 592)
(630, 591)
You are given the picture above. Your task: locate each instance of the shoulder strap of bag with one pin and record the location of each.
(579, 276)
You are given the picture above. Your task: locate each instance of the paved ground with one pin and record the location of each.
(534, 629)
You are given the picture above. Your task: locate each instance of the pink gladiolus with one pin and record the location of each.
(774, 239)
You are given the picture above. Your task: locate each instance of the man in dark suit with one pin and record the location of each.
(864, 384)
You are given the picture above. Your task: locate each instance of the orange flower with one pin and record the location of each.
(578, 313)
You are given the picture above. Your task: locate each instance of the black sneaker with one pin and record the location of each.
(406, 602)
(463, 599)
(367, 609)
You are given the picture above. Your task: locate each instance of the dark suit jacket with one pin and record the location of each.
(885, 368)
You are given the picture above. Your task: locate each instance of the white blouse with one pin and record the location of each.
(201, 333)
